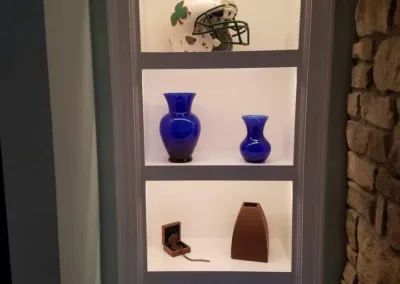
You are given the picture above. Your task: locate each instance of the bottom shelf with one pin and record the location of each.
(217, 250)
(207, 212)
(217, 277)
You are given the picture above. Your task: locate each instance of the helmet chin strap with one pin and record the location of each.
(220, 46)
(216, 42)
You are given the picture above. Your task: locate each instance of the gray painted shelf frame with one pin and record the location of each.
(317, 257)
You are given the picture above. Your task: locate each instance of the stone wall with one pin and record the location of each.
(373, 137)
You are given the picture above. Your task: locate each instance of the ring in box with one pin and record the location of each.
(171, 239)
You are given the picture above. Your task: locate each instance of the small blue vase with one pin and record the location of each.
(180, 128)
(255, 148)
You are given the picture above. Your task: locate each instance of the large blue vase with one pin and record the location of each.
(180, 128)
(255, 148)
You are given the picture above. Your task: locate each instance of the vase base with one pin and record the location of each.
(256, 161)
(175, 160)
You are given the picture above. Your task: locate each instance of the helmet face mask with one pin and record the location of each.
(222, 18)
(207, 25)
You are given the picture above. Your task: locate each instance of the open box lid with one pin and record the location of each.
(169, 229)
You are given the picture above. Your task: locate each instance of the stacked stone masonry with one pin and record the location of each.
(373, 138)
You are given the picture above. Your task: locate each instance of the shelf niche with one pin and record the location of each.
(222, 97)
(274, 25)
(207, 211)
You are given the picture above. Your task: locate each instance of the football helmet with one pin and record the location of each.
(207, 25)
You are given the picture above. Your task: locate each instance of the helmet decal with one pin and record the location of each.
(206, 26)
(181, 12)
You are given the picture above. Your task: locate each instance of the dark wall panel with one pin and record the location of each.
(27, 144)
(5, 272)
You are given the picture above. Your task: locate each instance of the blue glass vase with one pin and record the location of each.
(180, 128)
(255, 148)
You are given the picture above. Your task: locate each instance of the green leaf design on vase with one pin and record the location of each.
(180, 13)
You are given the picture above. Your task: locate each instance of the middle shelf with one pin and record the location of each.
(222, 97)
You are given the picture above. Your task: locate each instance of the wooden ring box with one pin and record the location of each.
(168, 232)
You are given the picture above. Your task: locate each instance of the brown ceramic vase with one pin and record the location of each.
(250, 240)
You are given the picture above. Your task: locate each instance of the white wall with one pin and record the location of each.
(208, 209)
(72, 104)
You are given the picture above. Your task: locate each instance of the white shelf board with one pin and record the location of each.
(217, 250)
(219, 161)
(274, 25)
(222, 97)
(207, 60)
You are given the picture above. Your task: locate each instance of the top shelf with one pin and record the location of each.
(271, 25)
(200, 60)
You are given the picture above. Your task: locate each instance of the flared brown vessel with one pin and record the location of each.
(250, 240)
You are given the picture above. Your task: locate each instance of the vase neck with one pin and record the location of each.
(255, 126)
(179, 103)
